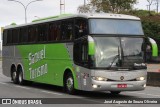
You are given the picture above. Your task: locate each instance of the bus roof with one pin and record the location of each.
(67, 16)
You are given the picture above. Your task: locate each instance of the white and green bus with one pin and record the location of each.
(90, 52)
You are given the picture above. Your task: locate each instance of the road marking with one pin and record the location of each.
(144, 94)
(3, 83)
(48, 92)
(22, 87)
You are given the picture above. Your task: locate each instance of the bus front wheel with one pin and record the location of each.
(69, 83)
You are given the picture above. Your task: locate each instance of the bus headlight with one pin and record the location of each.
(140, 78)
(99, 78)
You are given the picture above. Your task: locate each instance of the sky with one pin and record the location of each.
(14, 12)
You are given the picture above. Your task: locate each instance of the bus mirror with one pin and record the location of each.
(154, 47)
(91, 49)
(91, 46)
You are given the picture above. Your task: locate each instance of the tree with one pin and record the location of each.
(110, 6)
(157, 4)
(84, 9)
(149, 4)
(118, 6)
(13, 24)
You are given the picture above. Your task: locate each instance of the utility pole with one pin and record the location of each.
(157, 6)
(62, 6)
(149, 5)
(84, 2)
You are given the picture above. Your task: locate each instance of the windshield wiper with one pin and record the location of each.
(117, 56)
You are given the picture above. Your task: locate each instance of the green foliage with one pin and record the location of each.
(150, 22)
(113, 6)
(13, 24)
(151, 28)
(84, 9)
(140, 13)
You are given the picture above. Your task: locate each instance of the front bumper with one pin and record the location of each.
(112, 86)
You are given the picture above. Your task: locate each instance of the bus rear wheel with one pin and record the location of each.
(20, 77)
(14, 76)
(69, 84)
(115, 92)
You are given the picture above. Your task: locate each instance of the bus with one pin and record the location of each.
(89, 52)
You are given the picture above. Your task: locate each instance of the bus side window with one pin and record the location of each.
(58, 32)
(24, 35)
(33, 31)
(30, 34)
(81, 53)
(67, 30)
(42, 36)
(55, 32)
(9, 37)
(63, 29)
(18, 34)
(15, 34)
(45, 31)
(77, 52)
(80, 28)
(5, 34)
(51, 36)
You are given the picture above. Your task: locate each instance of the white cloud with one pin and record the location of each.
(14, 12)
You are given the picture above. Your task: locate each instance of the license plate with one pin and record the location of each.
(122, 86)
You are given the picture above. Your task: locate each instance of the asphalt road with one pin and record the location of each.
(36, 90)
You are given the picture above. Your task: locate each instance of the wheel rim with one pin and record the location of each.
(20, 77)
(14, 75)
(69, 83)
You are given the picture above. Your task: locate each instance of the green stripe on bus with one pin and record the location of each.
(154, 47)
(154, 50)
(55, 61)
(91, 48)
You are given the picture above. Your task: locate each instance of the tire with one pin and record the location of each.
(69, 84)
(115, 92)
(14, 76)
(21, 81)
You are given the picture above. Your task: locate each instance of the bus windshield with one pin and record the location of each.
(108, 50)
(115, 26)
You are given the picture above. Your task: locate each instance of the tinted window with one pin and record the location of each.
(15, 35)
(9, 37)
(24, 35)
(115, 26)
(80, 28)
(54, 31)
(5, 37)
(32, 33)
(67, 30)
(81, 52)
(42, 32)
